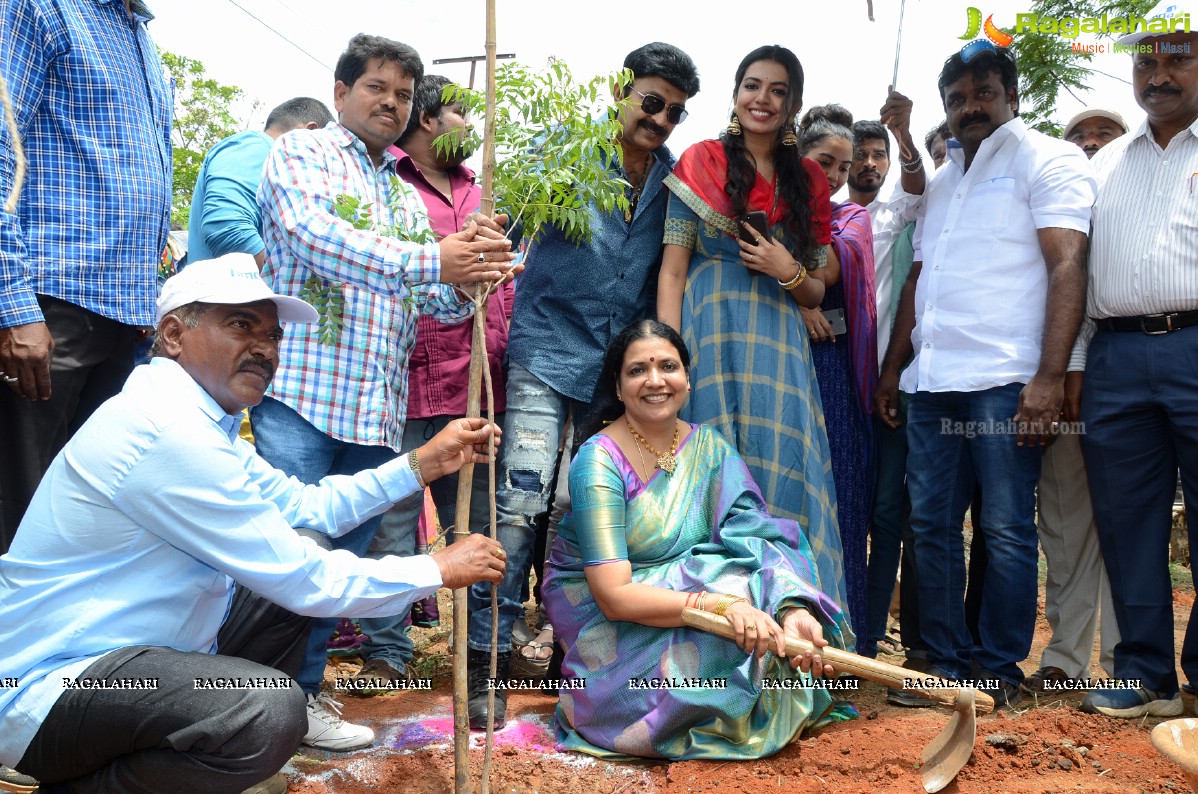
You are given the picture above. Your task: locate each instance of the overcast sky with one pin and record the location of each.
(847, 58)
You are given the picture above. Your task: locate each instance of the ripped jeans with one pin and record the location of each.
(533, 424)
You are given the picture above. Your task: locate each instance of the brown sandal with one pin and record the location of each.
(1041, 681)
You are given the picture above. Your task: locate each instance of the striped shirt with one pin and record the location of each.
(355, 390)
(93, 111)
(1144, 244)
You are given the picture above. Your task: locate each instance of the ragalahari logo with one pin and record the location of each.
(994, 37)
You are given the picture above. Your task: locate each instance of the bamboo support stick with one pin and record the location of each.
(478, 358)
(461, 618)
(478, 364)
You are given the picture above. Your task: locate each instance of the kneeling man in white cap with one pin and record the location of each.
(161, 560)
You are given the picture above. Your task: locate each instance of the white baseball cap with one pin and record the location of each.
(1166, 10)
(230, 279)
(1094, 113)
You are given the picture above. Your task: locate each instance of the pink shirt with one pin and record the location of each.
(439, 369)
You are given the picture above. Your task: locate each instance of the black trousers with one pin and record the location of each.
(92, 357)
(182, 736)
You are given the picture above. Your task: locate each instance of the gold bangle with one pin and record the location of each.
(796, 281)
(414, 464)
(725, 603)
(700, 599)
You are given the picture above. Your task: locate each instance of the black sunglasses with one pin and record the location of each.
(652, 104)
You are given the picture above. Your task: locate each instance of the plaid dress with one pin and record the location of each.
(753, 379)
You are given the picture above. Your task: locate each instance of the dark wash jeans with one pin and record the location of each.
(179, 737)
(953, 446)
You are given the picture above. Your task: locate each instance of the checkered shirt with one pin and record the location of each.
(93, 111)
(356, 389)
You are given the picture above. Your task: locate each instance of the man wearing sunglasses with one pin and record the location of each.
(569, 305)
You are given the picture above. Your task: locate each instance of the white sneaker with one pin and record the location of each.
(326, 729)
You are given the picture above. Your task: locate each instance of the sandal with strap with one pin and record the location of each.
(531, 659)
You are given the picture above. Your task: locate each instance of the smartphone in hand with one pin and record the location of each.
(836, 319)
(757, 220)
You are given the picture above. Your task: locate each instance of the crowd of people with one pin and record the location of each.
(768, 395)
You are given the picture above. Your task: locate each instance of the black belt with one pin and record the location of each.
(1151, 324)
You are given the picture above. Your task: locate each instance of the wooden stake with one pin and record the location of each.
(478, 364)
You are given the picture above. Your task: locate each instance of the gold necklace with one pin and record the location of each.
(636, 189)
(665, 460)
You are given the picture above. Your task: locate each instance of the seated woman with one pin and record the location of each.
(666, 515)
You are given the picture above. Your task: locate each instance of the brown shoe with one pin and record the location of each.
(1041, 681)
(374, 678)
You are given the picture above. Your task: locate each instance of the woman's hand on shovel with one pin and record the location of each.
(800, 623)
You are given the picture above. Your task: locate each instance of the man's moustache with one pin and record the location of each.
(653, 128)
(250, 365)
(1161, 90)
(981, 117)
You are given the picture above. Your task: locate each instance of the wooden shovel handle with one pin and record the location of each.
(844, 662)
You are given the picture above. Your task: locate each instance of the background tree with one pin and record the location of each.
(1047, 63)
(203, 117)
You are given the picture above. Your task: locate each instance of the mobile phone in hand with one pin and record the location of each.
(836, 319)
(757, 220)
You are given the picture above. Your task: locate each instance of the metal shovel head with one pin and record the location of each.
(1177, 740)
(944, 757)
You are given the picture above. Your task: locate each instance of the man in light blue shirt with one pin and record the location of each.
(225, 217)
(150, 670)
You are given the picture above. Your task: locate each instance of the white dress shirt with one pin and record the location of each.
(888, 219)
(142, 525)
(981, 297)
(1144, 248)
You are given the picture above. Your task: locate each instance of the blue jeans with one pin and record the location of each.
(957, 440)
(535, 418)
(388, 638)
(1140, 419)
(293, 445)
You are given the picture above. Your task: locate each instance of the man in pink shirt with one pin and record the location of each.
(439, 369)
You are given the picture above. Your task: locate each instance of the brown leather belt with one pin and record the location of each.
(1151, 324)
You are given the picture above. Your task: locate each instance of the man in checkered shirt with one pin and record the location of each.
(338, 403)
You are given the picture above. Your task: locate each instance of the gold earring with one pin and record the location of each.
(734, 125)
(790, 139)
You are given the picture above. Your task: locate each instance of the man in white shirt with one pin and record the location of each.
(1139, 349)
(991, 310)
(151, 671)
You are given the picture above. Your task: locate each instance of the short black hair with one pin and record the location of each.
(1000, 60)
(363, 48)
(658, 59)
(867, 130)
(425, 99)
(298, 112)
(941, 130)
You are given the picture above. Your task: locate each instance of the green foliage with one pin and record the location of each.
(1047, 64)
(202, 119)
(554, 141)
(327, 296)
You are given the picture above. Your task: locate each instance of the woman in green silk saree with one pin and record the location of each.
(666, 515)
